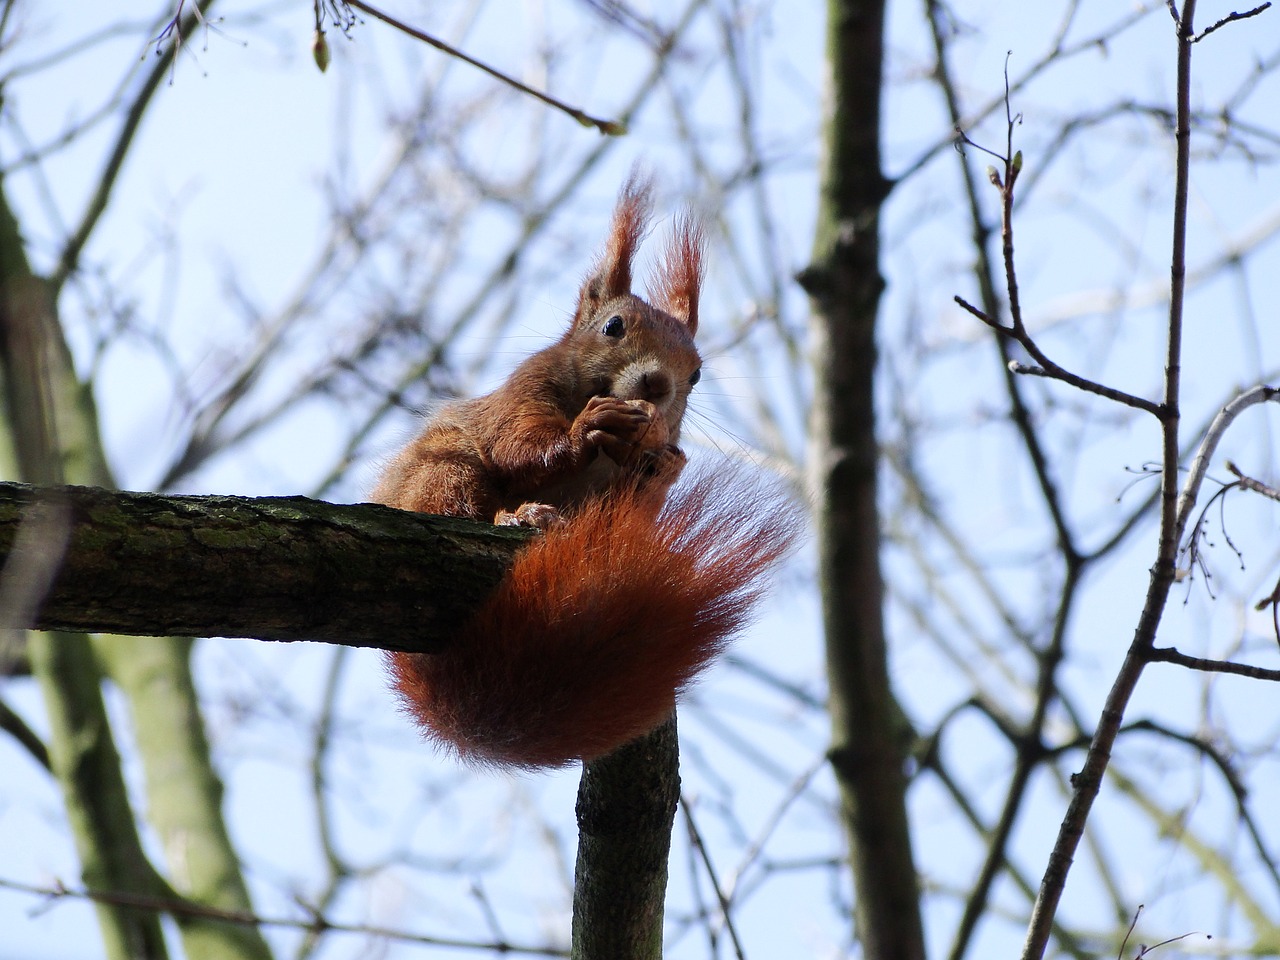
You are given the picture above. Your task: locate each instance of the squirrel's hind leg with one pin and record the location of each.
(452, 483)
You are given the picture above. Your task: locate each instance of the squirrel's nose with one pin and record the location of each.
(656, 385)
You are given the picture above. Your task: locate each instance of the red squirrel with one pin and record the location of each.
(628, 593)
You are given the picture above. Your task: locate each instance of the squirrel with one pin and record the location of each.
(632, 588)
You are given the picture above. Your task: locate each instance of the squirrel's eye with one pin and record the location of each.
(614, 327)
(695, 377)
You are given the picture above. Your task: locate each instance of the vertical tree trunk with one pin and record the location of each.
(83, 756)
(869, 734)
(82, 752)
(184, 791)
(626, 806)
(52, 420)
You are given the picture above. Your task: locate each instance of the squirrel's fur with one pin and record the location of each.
(598, 626)
(627, 594)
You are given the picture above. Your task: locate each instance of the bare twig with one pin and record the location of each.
(1213, 436)
(1230, 18)
(723, 899)
(1012, 162)
(984, 271)
(337, 871)
(1172, 655)
(1248, 483)
(1195, 555)
(1047, 368)
(1017, 330)
(1129, 933)
(70, 258)
(315, 923)
(17, 728)
(1058, 52)
(609, 128)
(1050, 656)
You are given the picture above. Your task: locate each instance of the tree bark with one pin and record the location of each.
(84, 758)
(626, 806)
(271, 568)
(869, 733)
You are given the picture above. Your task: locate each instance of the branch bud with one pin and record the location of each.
(320, 50)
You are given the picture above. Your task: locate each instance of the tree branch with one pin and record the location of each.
(1172, 519)
(609, 128)
(70, 258)
(1173, 655)
(1249, 483)
(17, 728)
(1262, 393)
(185, 908)
(272, 568)
(626, 805)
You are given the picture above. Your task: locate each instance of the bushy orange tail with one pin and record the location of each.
(600, 624)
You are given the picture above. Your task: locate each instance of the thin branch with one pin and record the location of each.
(315, 924)
(1212, 437)
(1047, 368)
(70, 258)
(1193, 549)
(1028, 741)
(1229, 774)
(1068, 941)
(1129, 933)
(1230, 18)
(1029, 744)
(1057, 52)
(722, 898)
(17, 728)
(609, 128)
(337, 870)
(1248, 483)
(1135, 517)
(1012, 162)
(1172, 655)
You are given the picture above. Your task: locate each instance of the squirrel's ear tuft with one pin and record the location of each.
(679, 279)
(612, 274)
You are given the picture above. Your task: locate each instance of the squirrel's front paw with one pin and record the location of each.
(614, 425)
(541, 516)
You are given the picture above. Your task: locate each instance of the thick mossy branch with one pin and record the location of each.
(272, 568)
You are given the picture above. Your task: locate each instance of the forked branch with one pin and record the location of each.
(1175, 509)
(1011, 161)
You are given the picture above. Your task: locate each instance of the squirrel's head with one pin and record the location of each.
(631, 348)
